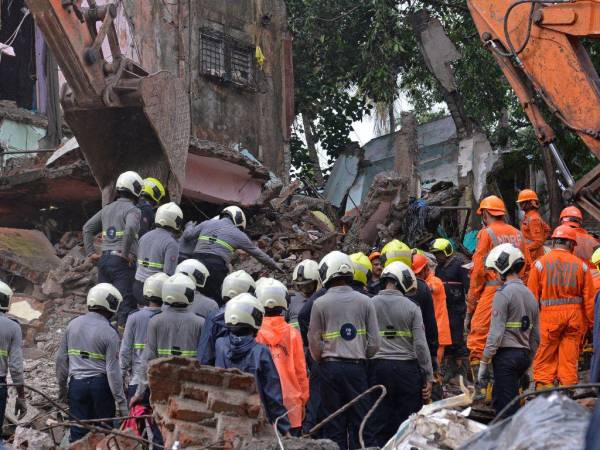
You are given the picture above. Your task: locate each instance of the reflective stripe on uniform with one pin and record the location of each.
(398, 254)
(515, 325)
(336, 334)
(395, 333)
(4, 353)
(294, 325)
(215, 240)
(176, 352)
(139, 346)
(561, 301)
(493, 283)
(85, 355)
(117, 234)
(154, 265)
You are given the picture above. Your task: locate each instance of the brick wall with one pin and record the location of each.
(200, 405)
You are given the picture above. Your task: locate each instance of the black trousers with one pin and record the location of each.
(510, 364)
(404, 382)
(340, 382)
(115, 270)
(3, 398)
(90, 398)
(314, 410)
(217, 270)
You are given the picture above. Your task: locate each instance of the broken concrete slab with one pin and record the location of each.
(27, 253)
(291, 444)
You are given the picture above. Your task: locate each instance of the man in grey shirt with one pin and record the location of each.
(119, 223)
(403, 362)
(343, 333)
(216, 242)
(87, 362)
(514, 331)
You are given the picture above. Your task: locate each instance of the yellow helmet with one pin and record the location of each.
(442, 245)
(154, 189)
(362, 267)
(596, 257)
(396, 251)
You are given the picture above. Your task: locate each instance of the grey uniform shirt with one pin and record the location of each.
(158, 252)
(515, 320)
(134, 342)
(119, 222)
(401, 329)
(297, 300)
(224, 230)
(11, 349)
(173, 332)
(187, 246)
(203, 305)
(343, 325)
(89, 348)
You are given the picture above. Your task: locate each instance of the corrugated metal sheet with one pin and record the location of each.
(341, 179)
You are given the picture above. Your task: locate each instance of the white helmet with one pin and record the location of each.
(306, 272)
(335, 265)
(6, 294)
(195, 269)
(154, 284)
(237, 283)
(272, 293)
(505, 257)
(259, 282)
(169, 215)
(244, 309)
(130, 182)
(104, 295)
(178, 289)
(401, 274)
(236, 215)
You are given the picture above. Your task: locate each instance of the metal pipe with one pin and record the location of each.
(564, 170)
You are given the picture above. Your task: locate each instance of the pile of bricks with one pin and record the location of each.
(198, 406)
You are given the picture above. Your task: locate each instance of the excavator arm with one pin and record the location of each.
(537, 45)
(123, 117)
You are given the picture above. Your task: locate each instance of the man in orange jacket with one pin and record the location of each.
(562, 283)
(586, 244)
(483, 284)
(534, 229)
(285, 344)
(421, 269)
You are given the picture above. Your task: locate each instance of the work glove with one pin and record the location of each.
(467, 324)
(483, 375)
(20, 407)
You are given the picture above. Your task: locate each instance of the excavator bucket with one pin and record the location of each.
(123, 117)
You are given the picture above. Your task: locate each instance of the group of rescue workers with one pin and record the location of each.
(396, 318)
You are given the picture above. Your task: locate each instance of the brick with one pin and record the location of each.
(187, 410)
(231, 429)
(189, 434)
(228, 402)
(195, 391)
(242, 382)
(202, 374)
(161, 392)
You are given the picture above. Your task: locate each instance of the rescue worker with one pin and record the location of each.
(562, 284)
(186, 248)
(285, 344)
(240, 350)
(134, 342)
(595, 363)
(173, 332)
(420, 266)
(11, 356)
(343, 333)
(595, 260)
(87, 362)
(202, 304)
(158, 250)
(456, 285)
(375, 258)
(306, 281)
(403, 363)
(586, 243)
(483, 283)
(396, 250)
(152, 194)
(234, 284)
(119, 223)
(217, 240)
(535, 231)
(362, 272)
(514, 330)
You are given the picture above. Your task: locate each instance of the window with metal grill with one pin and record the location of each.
(212, 56)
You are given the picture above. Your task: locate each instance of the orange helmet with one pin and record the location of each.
(374, 255)
(526, 195)
(492, 204)
(419, 262)
(571, 212)
(564, 232)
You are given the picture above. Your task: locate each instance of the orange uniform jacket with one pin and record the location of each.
(535, 231)
(285, 344)
(441, 311)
